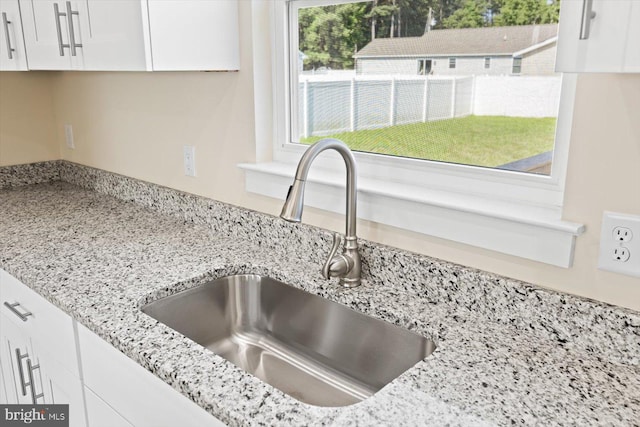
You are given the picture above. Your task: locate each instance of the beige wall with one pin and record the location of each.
(137, 123)
(26, 118)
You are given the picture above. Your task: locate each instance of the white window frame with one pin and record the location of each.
(513, 65)
(452, 63)
(487, 63)
(510, 212)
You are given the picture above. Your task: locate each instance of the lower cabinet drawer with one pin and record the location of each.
(137, 395)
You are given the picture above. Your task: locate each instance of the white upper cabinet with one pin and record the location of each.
(12, 53)
(112, 35)
(599, 36)
(129, 35)
(632, 57)
(84, 35)
(194, 35)
(46, 27)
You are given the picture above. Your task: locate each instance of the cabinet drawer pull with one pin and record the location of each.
(5, 24)
(12, 307)
(32, 382)
(57, 14)
(72, 33)
(587, 15)
(23, 383)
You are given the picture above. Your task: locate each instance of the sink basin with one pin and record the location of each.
(315, 350)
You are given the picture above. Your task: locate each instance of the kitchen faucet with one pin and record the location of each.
(346, 265)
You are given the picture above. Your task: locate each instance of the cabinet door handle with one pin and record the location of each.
(23, 383)
(5, 24)
(57, 14)
(30, 369)
(14, 310)
(587, 15)
(72, 34)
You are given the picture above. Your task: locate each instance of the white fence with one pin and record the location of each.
(332, 104)
(517, 96)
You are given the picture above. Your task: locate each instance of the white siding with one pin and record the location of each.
(440, 66)
(540, 62)
(472, 65)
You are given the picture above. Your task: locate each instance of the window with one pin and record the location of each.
(517, 66)
(369, 96)
(424, 66)
(417, 173)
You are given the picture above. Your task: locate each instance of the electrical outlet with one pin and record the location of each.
(68, 134)
(189, 152)
(622, 234)
(620, 244)
(621, 254)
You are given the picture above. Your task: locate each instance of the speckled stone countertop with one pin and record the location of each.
(99, 246)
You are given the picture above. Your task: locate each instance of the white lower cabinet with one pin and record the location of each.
(100, 414)
(138, 396)
(37, 352)
(46, 357)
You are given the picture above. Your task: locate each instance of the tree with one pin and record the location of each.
(526, 12)
(381, 16)
(330, 35)
(472, 15)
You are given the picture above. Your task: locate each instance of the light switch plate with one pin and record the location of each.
(620, 244)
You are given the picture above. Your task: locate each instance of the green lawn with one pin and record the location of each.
(475, 140)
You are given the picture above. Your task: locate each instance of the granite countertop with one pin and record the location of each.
(508, 352)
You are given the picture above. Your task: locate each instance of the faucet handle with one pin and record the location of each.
(337, 241)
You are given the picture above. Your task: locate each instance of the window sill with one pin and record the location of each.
(532, 232)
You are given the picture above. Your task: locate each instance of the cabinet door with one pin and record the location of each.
(194, 34)
(58, 385)
(100, 414)
(112, 35)
(47, 35)
(15, 350)
(12, 53)
(632, 57)
(604, 49)
(33, 376)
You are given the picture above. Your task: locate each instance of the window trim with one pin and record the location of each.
(452, 63)
(515, 204)
(487, 63)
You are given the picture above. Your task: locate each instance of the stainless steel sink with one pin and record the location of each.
(315, 350)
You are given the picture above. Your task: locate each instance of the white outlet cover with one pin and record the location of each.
(189, 154)
(609, 243)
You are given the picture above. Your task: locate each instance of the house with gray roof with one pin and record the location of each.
(514, 50)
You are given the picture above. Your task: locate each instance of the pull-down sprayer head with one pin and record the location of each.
(292, 208)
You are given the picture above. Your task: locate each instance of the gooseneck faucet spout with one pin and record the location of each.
(346, 265)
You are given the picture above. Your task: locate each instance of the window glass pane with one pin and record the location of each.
(379, 75)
